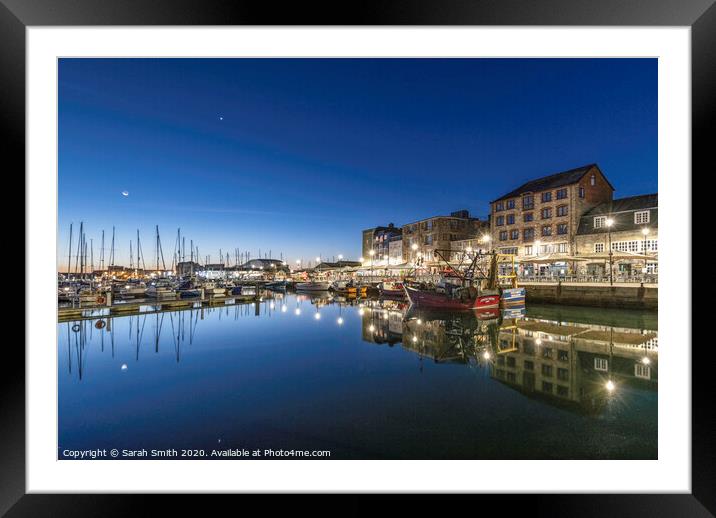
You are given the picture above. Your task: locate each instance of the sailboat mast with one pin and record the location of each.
(101, 253)
(69, 254)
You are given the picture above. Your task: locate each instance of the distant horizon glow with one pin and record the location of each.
(293, 158)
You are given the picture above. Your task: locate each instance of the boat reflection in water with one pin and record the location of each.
(364, 379)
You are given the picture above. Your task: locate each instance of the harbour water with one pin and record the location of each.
(360, 380)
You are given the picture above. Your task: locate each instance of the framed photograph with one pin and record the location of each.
(291, 252)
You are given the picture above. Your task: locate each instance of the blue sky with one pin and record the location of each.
(299, 155)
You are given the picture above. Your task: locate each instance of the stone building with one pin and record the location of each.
(540, 218)
(438, 232)
(634, 230)
(395, 250)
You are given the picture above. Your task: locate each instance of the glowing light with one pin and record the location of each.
(414, 246)
(371, 253)
(361, 311)
(468, 249)
(124, 367)
(415, 339)
(272, 305)
(486, 355)
(298, 311)
(317, 316)
(420, 321)
(609, 222)
(371, 328)
(645, 360)
(538, 342)
(610, 386)
(645, 231)
(284, 308)
(340, 321)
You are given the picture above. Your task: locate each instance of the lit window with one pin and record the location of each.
(642, 371)
(593, 180)
(641, 217)
(600, 221)
(601, 364)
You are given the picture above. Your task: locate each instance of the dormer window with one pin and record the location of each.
(641, 217)
(593, 180)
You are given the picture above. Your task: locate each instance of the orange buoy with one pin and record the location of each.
(100, 324)
(100, 300)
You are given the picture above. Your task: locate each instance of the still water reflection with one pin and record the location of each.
(363, 380)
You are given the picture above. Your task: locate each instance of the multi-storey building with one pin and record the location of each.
(631, 225)
(422, 238)
(540, 217)
(378, 240)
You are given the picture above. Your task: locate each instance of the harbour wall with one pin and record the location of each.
(598, 296)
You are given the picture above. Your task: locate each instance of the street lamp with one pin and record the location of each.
(487, 239)
(645, 232)
(609, 222)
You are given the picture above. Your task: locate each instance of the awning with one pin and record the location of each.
(619, 256)
(552, 258)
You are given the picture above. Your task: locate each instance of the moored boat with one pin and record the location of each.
(313, 286)
(391, 290)
(458, 298)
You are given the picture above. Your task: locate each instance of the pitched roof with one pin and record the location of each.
(642, 201)
(553, 181)
(622, 212)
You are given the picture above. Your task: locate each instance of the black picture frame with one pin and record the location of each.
(700, 15)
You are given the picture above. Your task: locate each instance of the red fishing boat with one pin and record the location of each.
(460, 298)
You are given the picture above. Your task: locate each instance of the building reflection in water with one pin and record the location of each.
(571, 364)
(579, 366)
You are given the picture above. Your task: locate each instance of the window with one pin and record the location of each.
(546, 387)
(528, 250)
(601, 364)
(598, 248)
(547, 370)
(514, 234)
(593, 180)
(562, 193)
(510, 204)
(562, 210)
(581, 192)
(546, 196)
(428, 240)
(641, 217)
(510, 219)
(642, 371)
(500, 221)
(528, 202)
(562, 356)
(500, 205)
(528, 234)
(600, 221)
(528, 216)
(503, 235)
(562, 248)
(562, 228)
(508, 251)
(547, 230)
(547, 352)
(511, 361)
(562, 374)
(547, 213)
(529, 365)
